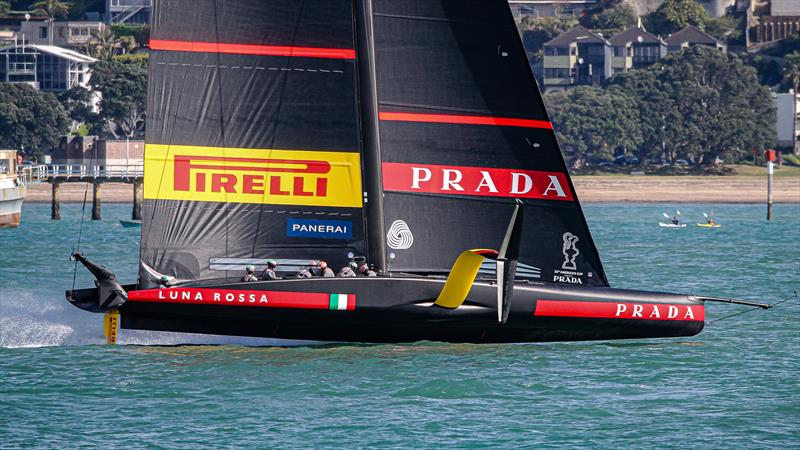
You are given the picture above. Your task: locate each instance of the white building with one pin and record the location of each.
(787, 107)
(64, 33)
(45, 67)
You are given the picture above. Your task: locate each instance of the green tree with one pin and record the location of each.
(124, 96)
(5, 6)
(791, 70)
(609, 14)
(705, 103)
(594, 122)
(77, 102)
(51, 9)
(30, 119)
(673, 15)
(108, 45)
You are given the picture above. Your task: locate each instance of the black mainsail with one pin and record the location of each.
(463, 133)
(409, 132)
(253, 147)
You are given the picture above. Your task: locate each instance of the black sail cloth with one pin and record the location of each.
(464, 131)
(252, 137)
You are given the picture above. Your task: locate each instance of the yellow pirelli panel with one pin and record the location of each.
(246, 175)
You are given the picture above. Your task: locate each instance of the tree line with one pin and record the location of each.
(700, 105)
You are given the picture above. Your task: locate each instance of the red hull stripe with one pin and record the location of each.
(240, 297)
(468, 120)
(617, 310)
(251, 49)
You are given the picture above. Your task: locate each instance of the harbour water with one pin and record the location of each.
(736, 385)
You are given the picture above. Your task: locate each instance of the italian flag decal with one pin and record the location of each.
(342, 302)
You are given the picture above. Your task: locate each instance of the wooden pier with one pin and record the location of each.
(57, 174)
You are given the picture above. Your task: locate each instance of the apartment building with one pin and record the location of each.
(691, 36)
(61, 33)
(45, 67)
(131, 12)
(635, 48)
(577, 56)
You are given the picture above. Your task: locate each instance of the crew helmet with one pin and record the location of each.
(353, 265)
(323, 265)
(272, 263)
(250, 268)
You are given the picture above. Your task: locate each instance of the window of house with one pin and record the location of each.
(619, 51)
(42, 32)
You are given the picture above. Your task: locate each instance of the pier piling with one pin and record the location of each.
(96, 202)
(137, 202)
(55, 207)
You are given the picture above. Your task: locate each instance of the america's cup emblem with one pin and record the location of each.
(570, 251)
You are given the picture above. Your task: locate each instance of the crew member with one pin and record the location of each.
(325, 271)
(304, 273)
(365, 271)
(163, 282)
(269, 272)
(249, 274)
(348, 270)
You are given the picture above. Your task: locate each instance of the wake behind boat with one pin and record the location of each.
(406, 135)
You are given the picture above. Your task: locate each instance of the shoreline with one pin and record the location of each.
(589, 188)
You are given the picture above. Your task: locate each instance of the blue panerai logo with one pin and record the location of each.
(325, 229)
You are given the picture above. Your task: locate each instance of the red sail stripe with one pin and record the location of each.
(469, 120)
(619, 310)
(252, 49)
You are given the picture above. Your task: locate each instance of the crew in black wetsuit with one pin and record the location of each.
(348, 270)
(249, 274)
(269, 272)
(365, 271)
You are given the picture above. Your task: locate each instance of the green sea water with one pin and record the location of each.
(736, 385)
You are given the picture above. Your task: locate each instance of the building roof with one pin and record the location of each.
(58, 51)
(692, 35)
(635, 35)
(574, 35)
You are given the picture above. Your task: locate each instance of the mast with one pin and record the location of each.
(368, 96)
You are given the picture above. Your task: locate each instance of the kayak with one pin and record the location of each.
(131, 223)
(708, 225)
(671, 225)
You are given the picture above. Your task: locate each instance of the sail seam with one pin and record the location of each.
(213, 66)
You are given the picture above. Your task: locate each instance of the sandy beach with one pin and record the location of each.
(673, 189)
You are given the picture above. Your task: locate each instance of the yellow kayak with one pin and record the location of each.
(708, 225)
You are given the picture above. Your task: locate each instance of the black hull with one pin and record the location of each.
(396, 309)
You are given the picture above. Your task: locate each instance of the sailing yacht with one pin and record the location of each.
(407, 134)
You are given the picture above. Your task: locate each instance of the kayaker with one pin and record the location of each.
(249, 274)
(675, 220)
(269, 271)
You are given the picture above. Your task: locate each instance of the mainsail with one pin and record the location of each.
(264, 115)
(253, 147)
(463, 132)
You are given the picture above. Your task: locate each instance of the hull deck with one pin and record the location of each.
(397, 309)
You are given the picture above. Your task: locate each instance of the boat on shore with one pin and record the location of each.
(411, 140)
(12, 190)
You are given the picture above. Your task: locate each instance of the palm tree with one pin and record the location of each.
(51, 9)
